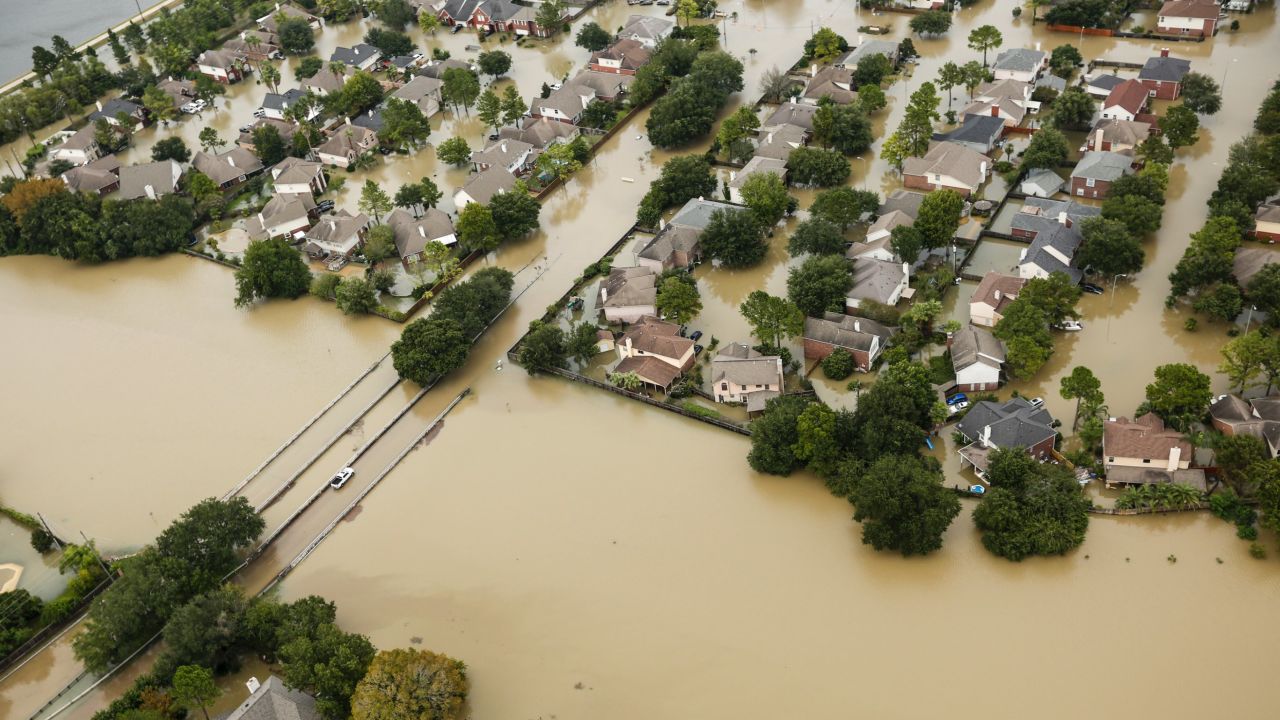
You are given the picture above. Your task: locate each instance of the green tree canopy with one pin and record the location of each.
(903, 506)
(773, 319)
(193, 687)
(592, 37)
(543, 348)
(405, 684)
(271, 269)
(766, 196)
(327, 663)
(984, 38)
(844, 206)
(1109, 248)
(1201, 93)
(774, 436)
(820, 284)
(734, 238)
(816, 236)
(1048, 149)
(1032, 508)
(939, 217)
(1180, 395)
(931, 22)
(477, 229)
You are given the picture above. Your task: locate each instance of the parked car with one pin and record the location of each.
(1036, 402)
(696, 335)
(260, 112)
(697, 349)
(957, 398)
(324, 206)
(1070, 325)
(456, 29)
(341, 478)
(1091, 288)
(955, 407)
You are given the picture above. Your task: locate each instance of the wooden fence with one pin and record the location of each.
(725, 424)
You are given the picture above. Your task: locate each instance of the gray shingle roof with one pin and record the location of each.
(868, 48)
(274, 701)
(846, 331)
(973, 345)
(697, 213)
(1014, 424)
(352, 56)
(979, 129)
(282, 101)
(1164, 69)
(1103, 165)
(161, 176)
(1019, 59)
(793, 113)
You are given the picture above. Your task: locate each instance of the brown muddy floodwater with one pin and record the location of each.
(589, 557)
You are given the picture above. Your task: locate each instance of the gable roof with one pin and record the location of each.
(777, 141)
(1163, 68)
(115, 106)
(1204, 9)
(540, 132)
(1106, 82)
(646, 26)
(1103, 165)
(281, 208)
(1249, 261)
(868, 48)
(482, 186)
(227, 165)
(161, 176)
(697, 212)
(273, 701)
(501, 152)
(1130, 95)
(327, 80)
(347, 140)
(418, 89)
(997, 290)
(657, 337)
(630, 54)
(1043, 179)
(1144, 437)
(1007, 107)
(947, 158)
(846, 331)
(1019, 60)
(629, 287)
(875, 280)
(1120, 131)
(1014, 423)
(833, 82)
(412, 234)
(354, 56)
(569, 100)
(650, 369)
(336, 228)
(904, 200)
(292, 170)
(890, 220)
(793, 113)
(282, 101)
(983, 129)
(759, 165)
(1015, 89)
(93, 177)
(974, 345)
(739, 363)
(1267, 214)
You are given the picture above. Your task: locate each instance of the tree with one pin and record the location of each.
(903, 506)
(460, 87)
(308, 67)
(1243, 359)
(170, 148)
(208, 630)
(193, 687)
(515, 213)
(269, 74)
(678, 300)
(938, 217)
(766, 196)
(1109, 248)
(1032, 508)
(844, 127)
(772, 319)
(158, 104)
(1055, 296)
(544, 347)
(1048, 149)
(974, 74)
(295, 35)
(374, 200)
(931, 22)
(816, 236)
(819, 284)
(1264, 289)
(592, 37)
(1154, 150)
(418, 684)
(118, 51)
(682, 179)
(429, 348)
(328, 664)
(1064, 60)
(428, 22)
(742, 123)
(559, 160)
(774, 436)
(1179, 126)
(271, 269)
(1072, 109)
(476, 229)
(268, 145)
(1220, 300)
(816, 439)
(872, 98)
(774, 85)
(984, 38)
(209, 140)
(844, 206)
(454, 151)
(403, 124)
(817, 168)
(1139, 215)
(356, 296)
(550, 15)
(950, 76)
(1201, 93)
(1082, 386)
(687, 10)
(513, 106)
(872, 70)
(489, 109)
(379, 245)
(1208, 259)
(1025, 330)
(389, 42)
(494, 63)
(1180, 395)
(43, 61)
(825, 45)
(916, 129)
(581, 342)
(685, 113)
(734, 238)
(839, 365)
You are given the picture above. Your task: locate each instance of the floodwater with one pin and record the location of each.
(28, 24)
(542, 538)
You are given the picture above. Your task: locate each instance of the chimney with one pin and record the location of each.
(231, 161)
(1164, 52)
(1097, 140)
(985, 438)
(1037, 46)
(99, 104)
(1175, 454)
(150, 191)
(995, 111)
(998, 295)
(857, 325)
(422, 232)
(262, 222)
(504, 146)
(253, 685)
(813, 70)
(1062, 219)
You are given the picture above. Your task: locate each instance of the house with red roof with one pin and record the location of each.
(1188, 17)
(1126, 101)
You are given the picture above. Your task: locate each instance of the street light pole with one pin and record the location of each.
(1111, 306)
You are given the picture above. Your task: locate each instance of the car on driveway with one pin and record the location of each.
(341, 478)
(958, 398)
(696, 335)
(1091, 288)
(324, 206)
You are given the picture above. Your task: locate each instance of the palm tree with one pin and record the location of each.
(270, 76)
(626, 381)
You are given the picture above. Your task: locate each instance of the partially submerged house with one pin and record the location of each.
(346, 145)
(276, 105)
(740, 374)
(624, 57)
(99, 177)
(1266, 223)
(629, 294)
(646, 29)
(541, 133)
(273, 700)
(1188, 17)
(1015, 424)
(222, 66)
(1101, 85)
(866, 49)
(1162, 75)
(412, 232)
(979, 133)
(270, 21)
(362, 56)
(422, 91)
(285, 215)
(483, 186)
(658, 339)
(831, 82)
(977, 357)
(862, 338)
(947, 165)
(792, 113)
(1143, 452)
(755, 166)
(337, 234)
(1117, 135)
(229, 167)
(992, 296)
(1249, 261)
(1021, 64)
(677, 244)
(1259, 417)
(1041, 182)
(151, 180)
(514, 156)
(1093, 175)
(294, 175)
(1126, 101)
(879, 281)
(777, 141)
(119, 112)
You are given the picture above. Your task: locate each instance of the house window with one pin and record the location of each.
(1090, 182)
(1146, 461)
(1080, 191)
(724, 386)
(1111, 459)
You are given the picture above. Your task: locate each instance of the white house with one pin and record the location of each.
(757, 165)
(295, 176)
(339, 233)
(738, 372)
(992, 296)
(287, 216)
(483, 186)
(79, 148)
(1021, 64)
(877, 281)
(976, 357)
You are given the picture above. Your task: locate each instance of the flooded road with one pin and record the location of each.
(532, 540)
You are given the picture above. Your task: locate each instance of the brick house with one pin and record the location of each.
(1188, 17)
(863, 339)
(1162, 75)
(1096, 171)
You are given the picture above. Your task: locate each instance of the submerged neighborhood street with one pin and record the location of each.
(994, 280)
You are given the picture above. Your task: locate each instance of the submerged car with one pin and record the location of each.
(341, 478)
(1070, 325)
(1091, 288)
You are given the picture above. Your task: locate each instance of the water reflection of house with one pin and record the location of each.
(1143, 452)
(862, 338)
(629, 294)
(1015, 424)
(992, 296)
(1259, 417)
(977, 357)
(740, 374)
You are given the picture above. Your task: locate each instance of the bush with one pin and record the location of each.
(57, 610)
(838, 365)
(1256, 551)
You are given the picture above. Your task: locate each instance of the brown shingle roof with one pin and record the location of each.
(1130, 95)
(1145, 437)
(657, 337)
(1006, 287)
(1190, 8)
(650, 369)
(946, 158)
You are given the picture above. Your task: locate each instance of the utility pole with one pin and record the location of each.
(56, 541)
(89, 544)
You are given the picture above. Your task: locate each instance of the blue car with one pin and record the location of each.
(957, 398)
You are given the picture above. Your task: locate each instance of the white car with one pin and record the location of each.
(1036, 402)
(341, 478)
(1071, 325)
